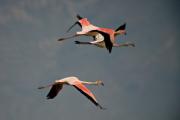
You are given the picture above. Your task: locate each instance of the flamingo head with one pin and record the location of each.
(99, 82)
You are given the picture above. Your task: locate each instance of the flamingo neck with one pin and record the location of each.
(89, 83)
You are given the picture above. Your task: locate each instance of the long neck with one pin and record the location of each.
(90, 83)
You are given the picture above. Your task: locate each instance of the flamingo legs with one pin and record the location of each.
(124, 45)
(100, 44)
(85, 43)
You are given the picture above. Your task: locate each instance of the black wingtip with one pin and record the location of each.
(79, 17)
(102, 108)
(49, 97)
(110, 49)
(122, 27)
(108, 46)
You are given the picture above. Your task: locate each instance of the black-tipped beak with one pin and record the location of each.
(61, 39)
(79, 17)
(41, 87)
(102, 84)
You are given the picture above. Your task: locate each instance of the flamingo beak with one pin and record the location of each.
(102, 84)
(41, 87)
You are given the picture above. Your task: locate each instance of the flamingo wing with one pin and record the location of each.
(107, 39)
(86, 92)
(122, 27)
(54, 91)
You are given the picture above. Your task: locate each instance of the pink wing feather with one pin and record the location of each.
(85, 91)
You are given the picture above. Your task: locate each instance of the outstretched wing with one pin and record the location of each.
(107, 39)
(54, 91)
(85, 91)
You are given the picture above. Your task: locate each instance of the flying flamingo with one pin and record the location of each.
(87, 29)
(104, 34)
(75, 82)
(103, 37)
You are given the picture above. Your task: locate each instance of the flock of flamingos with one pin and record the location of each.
(103, 38)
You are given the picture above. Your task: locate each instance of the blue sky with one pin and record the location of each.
(141, 83)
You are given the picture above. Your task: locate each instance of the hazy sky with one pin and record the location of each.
(141, 83)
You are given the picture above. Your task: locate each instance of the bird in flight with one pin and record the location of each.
(102, 37)
(99, 40)
(76, 83)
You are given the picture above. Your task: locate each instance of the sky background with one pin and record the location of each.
(141, 83)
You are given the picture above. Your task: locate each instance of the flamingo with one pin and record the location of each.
(75, 82)
(104, 34)
(87, 29)
(103, 37)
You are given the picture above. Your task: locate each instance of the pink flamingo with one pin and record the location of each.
(103, 37)
(75, 82)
